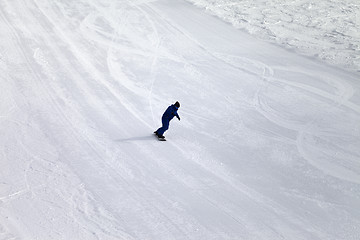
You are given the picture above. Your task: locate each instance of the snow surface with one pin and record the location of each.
(268, 144)
(328, 30)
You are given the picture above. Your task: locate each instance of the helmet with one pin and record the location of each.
(177, 104)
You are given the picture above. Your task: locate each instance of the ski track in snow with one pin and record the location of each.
(267, 148)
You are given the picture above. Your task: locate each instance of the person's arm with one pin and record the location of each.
(177, 115)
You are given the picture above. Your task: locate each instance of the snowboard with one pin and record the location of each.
(160, 139)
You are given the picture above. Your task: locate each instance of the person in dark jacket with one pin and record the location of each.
(169, 114)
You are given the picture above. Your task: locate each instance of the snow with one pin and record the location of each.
(267, 146)
(327, 30)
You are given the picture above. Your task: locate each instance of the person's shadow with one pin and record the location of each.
(133, 139)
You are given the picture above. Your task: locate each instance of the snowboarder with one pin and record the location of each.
(170, 112)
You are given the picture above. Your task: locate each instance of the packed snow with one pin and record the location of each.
(268, 146)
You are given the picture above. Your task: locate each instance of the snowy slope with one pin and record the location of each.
(327, 30)
(267, 146)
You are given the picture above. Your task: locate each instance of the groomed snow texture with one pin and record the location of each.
(268, 146)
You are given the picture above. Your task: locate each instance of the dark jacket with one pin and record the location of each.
(170, 112)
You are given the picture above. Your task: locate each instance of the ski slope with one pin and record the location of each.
(327, 30)
(267, 146)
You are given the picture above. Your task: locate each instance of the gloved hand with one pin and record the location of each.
(178, 118)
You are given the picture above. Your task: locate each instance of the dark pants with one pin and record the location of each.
(165, 126)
